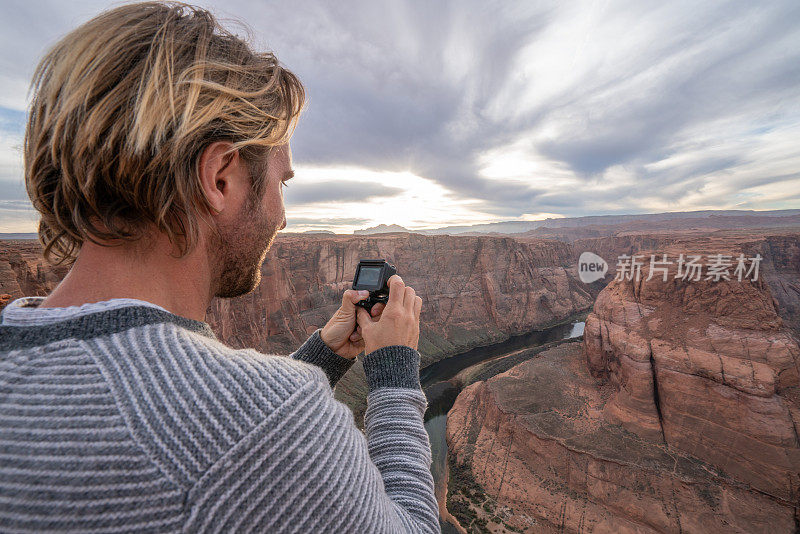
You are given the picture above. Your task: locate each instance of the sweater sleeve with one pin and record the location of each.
(316, 352)
(307, 467)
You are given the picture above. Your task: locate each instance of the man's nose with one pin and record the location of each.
(284, 223)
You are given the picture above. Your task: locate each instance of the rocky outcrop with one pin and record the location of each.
(706, 367)
(780, 250)
(532, 451)
(680, 414)
(781, 255)
(23, 271)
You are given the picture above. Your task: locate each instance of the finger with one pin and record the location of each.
(417, 307)
(351, 296)
(396, 292)
(377, 309)
(355, 337)
(408, 299)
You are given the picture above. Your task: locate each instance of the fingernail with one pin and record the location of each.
(363, 294)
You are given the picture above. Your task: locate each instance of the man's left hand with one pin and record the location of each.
(340, 334)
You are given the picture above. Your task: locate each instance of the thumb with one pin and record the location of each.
(364, 317)
(350, 298)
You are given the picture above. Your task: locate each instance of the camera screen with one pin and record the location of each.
(368, 276)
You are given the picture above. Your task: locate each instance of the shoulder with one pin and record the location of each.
(189, 398)
(241, 364)
(247, 383)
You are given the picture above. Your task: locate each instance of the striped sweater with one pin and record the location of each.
(122, 417)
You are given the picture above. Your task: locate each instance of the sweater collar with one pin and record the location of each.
(23, 323)
(26, 311)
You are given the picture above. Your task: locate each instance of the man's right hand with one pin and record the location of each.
(397, 324)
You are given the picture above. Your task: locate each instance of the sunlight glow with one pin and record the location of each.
(422, 203)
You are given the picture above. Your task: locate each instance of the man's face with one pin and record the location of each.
(243, 242)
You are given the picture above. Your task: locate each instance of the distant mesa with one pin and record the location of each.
(572, 228)
(382, 229)
(15, 236)
(597, 225)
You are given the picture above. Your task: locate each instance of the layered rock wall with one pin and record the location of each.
(707, 367)
(476, 290)
(531, 451)
(23, 271)
(680, 414)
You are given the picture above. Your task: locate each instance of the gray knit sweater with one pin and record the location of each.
(120, 416)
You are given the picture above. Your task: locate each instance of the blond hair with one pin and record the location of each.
(122, 108)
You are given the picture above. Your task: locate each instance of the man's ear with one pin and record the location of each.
(215, 169)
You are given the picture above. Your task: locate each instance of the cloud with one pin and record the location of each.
(12, 122)
(12, 186)
(338, 191)
(16, 205)
(589, 89)
(516, 108)
(17, 216)
(326, 222)
(13, 190)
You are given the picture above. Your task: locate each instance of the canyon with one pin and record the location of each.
(679, 412)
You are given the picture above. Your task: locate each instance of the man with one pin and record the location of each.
(155, 151)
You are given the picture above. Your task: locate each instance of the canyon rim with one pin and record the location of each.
(678, 412)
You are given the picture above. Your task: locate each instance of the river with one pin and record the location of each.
(441, 391)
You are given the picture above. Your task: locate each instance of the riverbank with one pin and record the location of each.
(352, 388)
(444, 380)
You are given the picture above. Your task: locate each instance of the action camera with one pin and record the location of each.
(373, 275)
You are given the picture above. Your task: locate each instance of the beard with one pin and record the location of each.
(240, 248)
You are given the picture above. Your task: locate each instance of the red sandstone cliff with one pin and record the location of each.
(707, 367)
(23, 271)
(680, 413)
(476, 290)
(780, 250)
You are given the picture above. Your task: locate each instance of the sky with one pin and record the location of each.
(428, 114)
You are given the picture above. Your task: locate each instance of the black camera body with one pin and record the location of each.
(373, 275)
